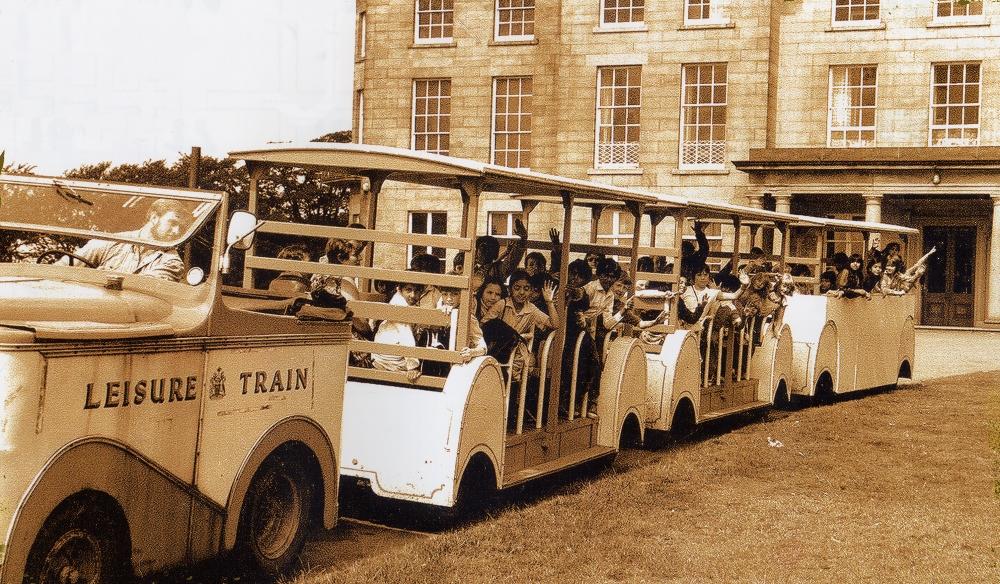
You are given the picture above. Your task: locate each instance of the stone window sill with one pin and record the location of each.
(612, 171)
(846, 27)
(440, 45)
(706, 171)
(957, 23)
(708, 25)
(512, 42)
(631, 28)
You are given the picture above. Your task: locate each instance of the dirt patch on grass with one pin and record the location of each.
(895, 486)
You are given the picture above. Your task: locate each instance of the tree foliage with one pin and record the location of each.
(285, 194)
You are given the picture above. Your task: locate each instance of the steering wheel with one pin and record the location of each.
(73, 256)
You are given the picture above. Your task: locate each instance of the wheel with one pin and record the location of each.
(55, 252)
(80, 543)
(275, 515)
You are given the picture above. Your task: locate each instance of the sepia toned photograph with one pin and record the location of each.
(421, 291)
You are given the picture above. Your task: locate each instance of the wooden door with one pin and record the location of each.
(949, 298)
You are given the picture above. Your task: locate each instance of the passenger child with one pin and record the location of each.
(491, 291)
(355, 247)
(900, 282)
(828, 283)
(695, 298)
(599, 314)
(850, 279)
(399, 333)
(291, 282)
(489, 262)
(337, 252)
(458, 263)
(891, 284)
(534, 263)
(891, 253)
(873, 277)
(577, 303)
(538, 281)
(523, 316)
(592, 260)
(643, 264)
(451, 299)
(691, 259)
(428, 264)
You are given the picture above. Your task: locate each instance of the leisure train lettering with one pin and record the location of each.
(123, 393)
(280, 380)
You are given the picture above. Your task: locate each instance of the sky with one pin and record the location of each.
(84, 81)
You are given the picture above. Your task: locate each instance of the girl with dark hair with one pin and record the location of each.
(873, 276)
(850, 278)
(489, 293)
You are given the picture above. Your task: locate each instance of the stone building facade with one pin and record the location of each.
(885, 110)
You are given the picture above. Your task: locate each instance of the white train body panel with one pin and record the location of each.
(673, 373)
(860, 343)
(413, 443)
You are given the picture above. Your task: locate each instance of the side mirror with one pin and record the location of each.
(242, 226)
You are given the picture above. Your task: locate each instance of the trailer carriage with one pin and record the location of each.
(438, 438)
(846, 344)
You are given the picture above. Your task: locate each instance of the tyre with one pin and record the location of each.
(274, 520)
(84, 541)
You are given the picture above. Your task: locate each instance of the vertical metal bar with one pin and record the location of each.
(718, 359)
(739, 354)
(522, 394)
(707, 360)
(539, 406)
(572, 377)
(820, 244)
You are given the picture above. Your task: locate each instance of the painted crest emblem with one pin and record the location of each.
(218, 384)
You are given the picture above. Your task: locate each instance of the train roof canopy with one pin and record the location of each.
(424, 168)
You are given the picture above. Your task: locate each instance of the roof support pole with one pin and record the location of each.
(636, 209)
(555, 380)
(470, 216)
(655, 218)
(369, 210)
(595, 218)
(256, 171)
(782, 204)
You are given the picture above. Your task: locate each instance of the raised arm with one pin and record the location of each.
(511, 257)
(556, 260)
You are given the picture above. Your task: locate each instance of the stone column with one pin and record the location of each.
(873, 213)
(873, 207)
(993, 282)
(782, 204)
(755, 200)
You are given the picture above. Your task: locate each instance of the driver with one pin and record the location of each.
(165, 221)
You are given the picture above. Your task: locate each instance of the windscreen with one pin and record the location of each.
(156, 218)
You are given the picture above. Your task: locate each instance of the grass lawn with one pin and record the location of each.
(900, 486)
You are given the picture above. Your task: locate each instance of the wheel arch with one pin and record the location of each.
(827, 357)
(633, 431)
(71, 471)
(685, 405)
(289, 431)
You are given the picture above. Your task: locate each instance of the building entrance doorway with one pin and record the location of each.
(949, 297)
